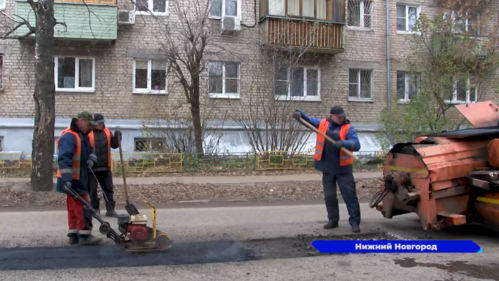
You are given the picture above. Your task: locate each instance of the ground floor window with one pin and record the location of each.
(224, 79)
(149, 77)
(74, 74)
(360, 84)
(463, 91)
(149, 144)
(407, 85)
(297, 83)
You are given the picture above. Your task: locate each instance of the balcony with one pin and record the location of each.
(88, 20)
(314, 26)
(459, 47)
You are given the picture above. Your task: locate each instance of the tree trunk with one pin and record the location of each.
(44, 96)
(196, 118)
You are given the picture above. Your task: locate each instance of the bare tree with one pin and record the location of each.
(186, 46)
(176, 132)
(269, 125)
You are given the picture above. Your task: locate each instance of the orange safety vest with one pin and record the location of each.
(75, 164)
(108, 135)
(345, 159)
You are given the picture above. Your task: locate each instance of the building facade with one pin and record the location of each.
(109, 59)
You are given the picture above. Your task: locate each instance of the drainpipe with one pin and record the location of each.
(388, 69)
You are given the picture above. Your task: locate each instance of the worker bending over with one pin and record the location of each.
(336, 166)
(102, 141)
(74, 157)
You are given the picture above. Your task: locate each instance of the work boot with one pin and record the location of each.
(73, 238)
(88, 239)
(110, 210)
(330, 225)
(355, 229)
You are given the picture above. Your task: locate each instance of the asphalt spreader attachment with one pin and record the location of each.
(134, 234)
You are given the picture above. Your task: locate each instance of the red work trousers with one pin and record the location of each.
(79, 218)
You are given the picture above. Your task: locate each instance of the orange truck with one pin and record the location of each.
(449, 178)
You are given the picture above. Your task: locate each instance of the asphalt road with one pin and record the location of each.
(238, 243)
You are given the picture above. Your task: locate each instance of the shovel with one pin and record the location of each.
(130, 208)
(327, 137)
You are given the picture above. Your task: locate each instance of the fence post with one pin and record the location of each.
(184, 157)
(255, 161)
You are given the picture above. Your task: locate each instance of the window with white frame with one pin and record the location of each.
(463, 91)
(155, 7)
(222, 8)
(224, 79)
(360, 14)
(149, 77)
(2, 4)
(464, 22)
(407, 85)
(407, 17)
(360, 85)
(297, 83)
(74, 74)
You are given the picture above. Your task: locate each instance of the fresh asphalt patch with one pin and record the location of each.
(73, 257)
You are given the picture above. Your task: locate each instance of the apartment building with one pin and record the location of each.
(108, 60)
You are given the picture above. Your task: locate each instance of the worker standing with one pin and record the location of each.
(102, 141)
(74, 157)
(336, 166)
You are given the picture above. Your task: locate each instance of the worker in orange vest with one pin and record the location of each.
(74, 157)
(102, 141)
(336, 166)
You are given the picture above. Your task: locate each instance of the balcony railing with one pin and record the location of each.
(310, 35)
(84, 20)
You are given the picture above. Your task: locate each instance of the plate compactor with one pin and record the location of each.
(135, 236)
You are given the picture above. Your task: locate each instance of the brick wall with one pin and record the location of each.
(114, 95)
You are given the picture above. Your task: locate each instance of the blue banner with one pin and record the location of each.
(404, 246)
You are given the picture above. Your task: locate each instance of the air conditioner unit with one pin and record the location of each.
(230, 25)
(126, 17)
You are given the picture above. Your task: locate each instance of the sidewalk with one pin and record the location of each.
(219, 179)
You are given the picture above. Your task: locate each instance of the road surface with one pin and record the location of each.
(238, 243)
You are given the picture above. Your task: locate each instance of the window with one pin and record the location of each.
(360, 84)
(317, 9)
(407, 17)
(149, 144)
(1, 72)
(2, 4)
(463, 91)
(463, 22)
(224, 79)
(149, 77)
(360, 14)
(156, 7)
(221, 8)
(74, 74)
(407, 85)
(297, 83)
